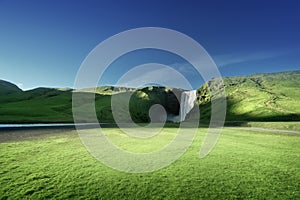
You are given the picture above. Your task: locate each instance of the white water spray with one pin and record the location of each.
(187, 102)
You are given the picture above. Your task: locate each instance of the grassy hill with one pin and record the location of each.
(37, 105)
(107, 90)
(8, 88)
(260, 97)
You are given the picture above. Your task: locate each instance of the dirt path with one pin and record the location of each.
(271, 101)
(7, 135)
(27, 133)
(267, 130)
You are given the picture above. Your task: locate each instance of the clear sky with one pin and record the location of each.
(43, 43)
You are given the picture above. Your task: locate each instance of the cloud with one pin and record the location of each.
(197, 71)
(229, 59)
(200, 68)
(156, 74)
(184, 68)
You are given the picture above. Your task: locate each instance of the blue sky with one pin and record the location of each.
(43, 43)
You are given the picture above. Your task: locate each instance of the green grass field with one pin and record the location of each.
(293, 126)
(244, 165)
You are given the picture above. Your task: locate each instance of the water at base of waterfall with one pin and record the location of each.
(187, 102)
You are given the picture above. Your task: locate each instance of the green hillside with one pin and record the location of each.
(107, 90)
(260, 97)
(37, 105)
(8, 88)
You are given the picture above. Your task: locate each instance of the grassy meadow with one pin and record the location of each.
(292, 126)
(244, 165)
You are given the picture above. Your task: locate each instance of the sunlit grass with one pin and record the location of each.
(293, 126)
(244, 164)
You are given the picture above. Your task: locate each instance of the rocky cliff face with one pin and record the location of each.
(142, 100)
(187, 102)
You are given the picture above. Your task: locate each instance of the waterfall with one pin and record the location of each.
(187, 101)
